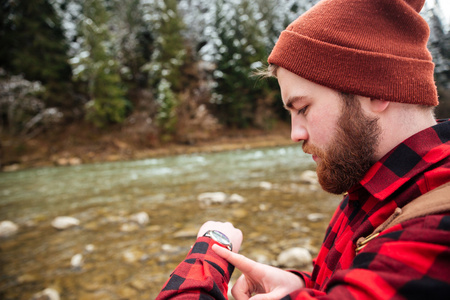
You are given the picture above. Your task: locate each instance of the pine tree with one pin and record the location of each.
(97, 67)
(35, 46)
(135, 38)
(167, 63)
(240, 51)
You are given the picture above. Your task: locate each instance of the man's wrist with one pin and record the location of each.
(220, 238)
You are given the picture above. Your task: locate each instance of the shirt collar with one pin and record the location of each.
(406, 160)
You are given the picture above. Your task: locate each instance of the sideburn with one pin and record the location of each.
(351, 153)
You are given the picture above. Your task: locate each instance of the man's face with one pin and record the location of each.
(333, 128)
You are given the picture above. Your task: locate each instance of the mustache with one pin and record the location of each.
(308, 148)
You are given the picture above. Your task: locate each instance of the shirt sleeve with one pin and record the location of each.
(202, 275)
(403, 263)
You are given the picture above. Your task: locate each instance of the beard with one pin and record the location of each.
(351, 152)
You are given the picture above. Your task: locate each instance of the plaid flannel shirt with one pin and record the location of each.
(408, 261)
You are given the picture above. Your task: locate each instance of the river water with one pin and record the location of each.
(122, 260)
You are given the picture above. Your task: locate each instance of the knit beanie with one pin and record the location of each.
(372, 48)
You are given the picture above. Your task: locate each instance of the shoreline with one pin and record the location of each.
(41, 152)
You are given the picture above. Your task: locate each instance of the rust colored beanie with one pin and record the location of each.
(372, 48)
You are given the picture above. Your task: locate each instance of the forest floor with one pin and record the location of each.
(76, 145)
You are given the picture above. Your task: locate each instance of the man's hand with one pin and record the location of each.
(265, 281)
(233, 234)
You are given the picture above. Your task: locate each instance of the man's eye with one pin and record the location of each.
(303, 110)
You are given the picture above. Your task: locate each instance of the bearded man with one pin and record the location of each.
(357, 79)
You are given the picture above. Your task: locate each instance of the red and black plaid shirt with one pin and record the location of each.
(408, 261)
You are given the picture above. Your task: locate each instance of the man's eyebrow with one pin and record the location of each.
(292, 100)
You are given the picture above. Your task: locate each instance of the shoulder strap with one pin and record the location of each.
(434, 202)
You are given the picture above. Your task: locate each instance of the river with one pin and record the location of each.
(122, 260)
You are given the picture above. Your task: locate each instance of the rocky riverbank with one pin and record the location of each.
(103, 252)
(76, 146)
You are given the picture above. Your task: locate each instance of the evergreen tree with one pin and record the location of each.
(240, 51)
(168, 61)
(135, 41)
(34, 45)
(97, 67)
(170, 53)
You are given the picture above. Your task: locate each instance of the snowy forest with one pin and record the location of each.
(176, 70)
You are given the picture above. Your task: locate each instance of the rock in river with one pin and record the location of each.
(141, 218)
(77, 261)
(296, 257)
(47, 294)
(7, 229)
(207, 199)
(309, 177)
(65, 222)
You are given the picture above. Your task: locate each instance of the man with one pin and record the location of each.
(357, 79)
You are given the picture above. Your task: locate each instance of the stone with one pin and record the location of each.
(64, 222)
(240, 213)
(235, 198)
(212, 198)
(8, 228)
(315, 217)
(62, 161)
(296, 257)
(129, 227)
(47, 294)
(309, 177)
(77, 261)
(186, 233)
(89, 248)
(11, 168)
(141, 218)
(132, 256)
(265, 185)
(74, 161)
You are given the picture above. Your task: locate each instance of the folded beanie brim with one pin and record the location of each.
(360, 72)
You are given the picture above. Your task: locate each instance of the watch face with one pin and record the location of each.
(220, 237)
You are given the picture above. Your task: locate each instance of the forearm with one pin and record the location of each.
(202, 274)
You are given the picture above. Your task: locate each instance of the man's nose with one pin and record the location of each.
(298, 130)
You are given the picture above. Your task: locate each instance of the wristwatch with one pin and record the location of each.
(219, 237)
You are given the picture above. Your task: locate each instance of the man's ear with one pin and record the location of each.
(378, 105)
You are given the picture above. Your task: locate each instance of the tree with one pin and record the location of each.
(439, 46)
(36, 47)
(169, 59)
(240, 51)
(96, 66)
(136, 41)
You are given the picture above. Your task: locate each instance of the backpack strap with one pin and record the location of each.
(434, 202)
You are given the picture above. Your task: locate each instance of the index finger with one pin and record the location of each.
(244, 264)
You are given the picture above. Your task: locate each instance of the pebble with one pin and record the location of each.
(71, 161)
(265, 185)
(186, 233)
(11, 168)
(8, 228)
(129, 227)
(212, 198)
(296, 257)
(240, 213)
(132, 256)
(315, 217)
(208, 199)
(47, 294)
(235, 198)
(89, 248)
(141, 218)
(65, 222)
(309, 177)
(77, 261)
